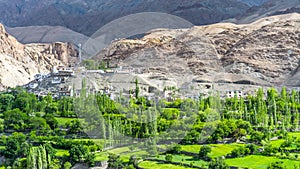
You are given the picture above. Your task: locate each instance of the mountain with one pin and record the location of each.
(74, 21)
(265, 52)
(87, 16)
(269, 8)
(46, 34)
(19, 63)
(253, 2)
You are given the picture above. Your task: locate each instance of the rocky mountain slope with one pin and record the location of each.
(268, 8)
(265, 52)
(46, 34)
(19, 63)
(88, 16)
(253, 2)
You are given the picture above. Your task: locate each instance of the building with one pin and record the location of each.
(62, 71)
(66, 91)
(231, 94)
(33, 85)
(56, 80)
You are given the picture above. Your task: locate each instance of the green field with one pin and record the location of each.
(157, 165)
(61, 153)
(186, 160)
(62, 121)
(294, 134)
(217, 150)
(191, 148)
(277, 143)
(96, 141)
(101, 156)
(119, 150)
(124, 153)
(260, 162)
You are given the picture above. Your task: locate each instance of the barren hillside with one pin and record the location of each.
(265, 52)
(19, 63)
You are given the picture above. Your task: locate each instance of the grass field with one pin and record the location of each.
(119, 150)
(191, 148)
(61, 153)
(217, 150)
(62, 121)
(96, 141)
(260, 162)
(101, 156)
(157, 165)
(124, 153)
(186, 159)
(295, 134)
(277, 143)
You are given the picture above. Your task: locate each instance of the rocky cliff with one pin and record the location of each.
(19, 63)
(265, 52)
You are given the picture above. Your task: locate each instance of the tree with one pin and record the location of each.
(13, 146)
(15, 119)
(277, 165)
(257, 136)
(38, 123)
(175, 149)
(6, 102)
(78, 153)
(169, 157)
(38, 158)
(115, 162)
(269, 149)
(252, 148)
(51, 121)
(67, 165)
(218, 163)
(204, 151)
(137, 89)
(74, 127)
(26, 102)
(50, 150)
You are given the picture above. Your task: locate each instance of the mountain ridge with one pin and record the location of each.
(80, 15)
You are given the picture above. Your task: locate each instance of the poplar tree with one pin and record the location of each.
(137, 89)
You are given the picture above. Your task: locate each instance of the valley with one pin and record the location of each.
(218, 88)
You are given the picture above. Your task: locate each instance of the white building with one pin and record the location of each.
(231, 94)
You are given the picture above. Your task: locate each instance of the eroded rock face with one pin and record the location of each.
(265, 52)
(19, 63)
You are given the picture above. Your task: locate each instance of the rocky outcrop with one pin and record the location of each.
(265, 52)
(19, 63)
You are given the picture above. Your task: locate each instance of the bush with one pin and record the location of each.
(241, 151)
(252, 148)
(169, 157)
(276, 165)
(204, 151)
(175, 149)
(218, 163)
(67, 165)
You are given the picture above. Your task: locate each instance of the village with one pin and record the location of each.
(67, 81)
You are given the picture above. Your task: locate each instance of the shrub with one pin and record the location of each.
(169, 157)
